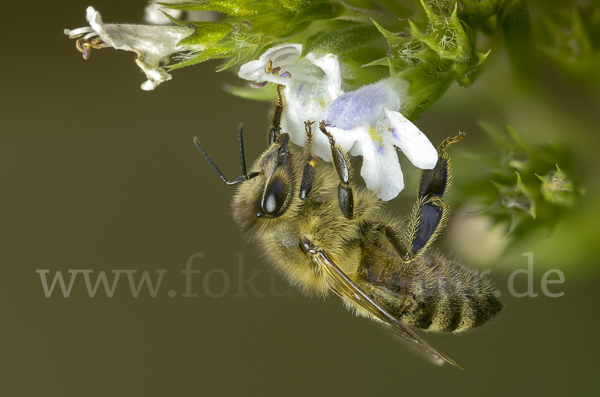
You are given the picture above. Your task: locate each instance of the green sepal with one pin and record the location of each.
(266, 94)
(429, 80)
(466, 74)
(523, 190)
(206, 33)
(378, 62)
(394, 40)
(557, 188)
(340, 41)
(210, 53)
(446, 37)
(242, 57)
(233, 8)
(403, 49)
(174, 20)
(514, 204)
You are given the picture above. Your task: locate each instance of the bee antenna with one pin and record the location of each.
(244, 176)
(241, 143)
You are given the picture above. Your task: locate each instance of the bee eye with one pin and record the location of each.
(274, 197)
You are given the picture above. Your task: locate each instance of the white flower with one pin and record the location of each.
(152, 44)
(365, 122)
(154, 15)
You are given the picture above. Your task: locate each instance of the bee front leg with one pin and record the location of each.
(277, 111)
(308, 175)
(309, 248)
(342, 167)
(431, 212)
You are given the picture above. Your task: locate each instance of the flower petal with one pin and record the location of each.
(413, 143)
(330, 65)
(310, 84)
(283, 56)
(73, 34)
(154, 15)
(361, 107)
(380, 169)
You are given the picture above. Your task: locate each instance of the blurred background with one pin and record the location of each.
(100, 175)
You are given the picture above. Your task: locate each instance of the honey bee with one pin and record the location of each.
(324, 234)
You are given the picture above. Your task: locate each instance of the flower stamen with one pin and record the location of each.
(84, 46)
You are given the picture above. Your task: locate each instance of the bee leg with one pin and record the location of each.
(308, 175)
(393, 237)
(276, 113)
(342, 167)
(308, 248)
(431, 212)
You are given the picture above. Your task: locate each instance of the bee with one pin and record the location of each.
(325, 234)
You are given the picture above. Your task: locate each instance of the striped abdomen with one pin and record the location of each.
(431, 292)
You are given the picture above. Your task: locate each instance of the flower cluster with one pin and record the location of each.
(365, 122)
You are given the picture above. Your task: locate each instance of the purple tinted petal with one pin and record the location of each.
(363, 106)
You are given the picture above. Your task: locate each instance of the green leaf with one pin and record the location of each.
(523, 190)
(320, 11)
(242, 56)
(517, 38)
(340, 41)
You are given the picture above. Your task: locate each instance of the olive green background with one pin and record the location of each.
(97, 174)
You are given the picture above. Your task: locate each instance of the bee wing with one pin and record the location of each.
(343, 286)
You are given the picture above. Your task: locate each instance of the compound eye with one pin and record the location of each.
(275, 197)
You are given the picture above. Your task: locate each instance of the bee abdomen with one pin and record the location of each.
(448, 297)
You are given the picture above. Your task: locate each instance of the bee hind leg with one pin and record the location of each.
(430, 214)
(393, 237)
(342, 167)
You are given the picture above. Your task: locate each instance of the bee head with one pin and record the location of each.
(266, 192)
(264, 199)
